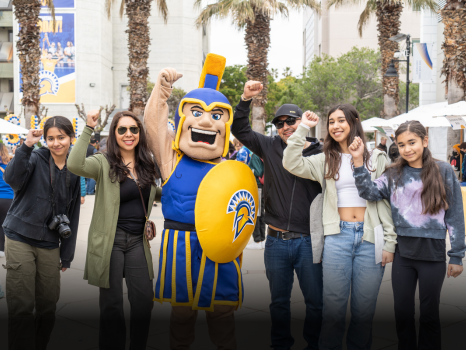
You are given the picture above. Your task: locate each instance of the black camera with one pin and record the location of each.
(60, 223)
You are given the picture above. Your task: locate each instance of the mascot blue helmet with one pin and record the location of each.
(208, 96)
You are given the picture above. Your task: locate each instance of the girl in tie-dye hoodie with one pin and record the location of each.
(426, 203)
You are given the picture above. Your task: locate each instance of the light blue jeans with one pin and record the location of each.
(349, 264)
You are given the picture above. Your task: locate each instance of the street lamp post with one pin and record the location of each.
(391, 71)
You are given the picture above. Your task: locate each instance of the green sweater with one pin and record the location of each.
(105, 215)
(257, 167)
(313, 168)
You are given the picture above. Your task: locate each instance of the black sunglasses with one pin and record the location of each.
(290, 121)
(123, 129)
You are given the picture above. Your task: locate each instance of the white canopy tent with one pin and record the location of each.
(10, 128)
(428, 115)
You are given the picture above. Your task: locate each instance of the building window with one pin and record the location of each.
(5, 5)
(11, 85)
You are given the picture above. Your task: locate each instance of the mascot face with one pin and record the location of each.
(204, 116)
(204, 131)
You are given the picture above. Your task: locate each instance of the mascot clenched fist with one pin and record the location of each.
(209, 206)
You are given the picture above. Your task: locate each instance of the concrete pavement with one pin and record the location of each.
(78, 309)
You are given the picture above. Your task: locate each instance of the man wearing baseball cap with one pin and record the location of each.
(288, 199)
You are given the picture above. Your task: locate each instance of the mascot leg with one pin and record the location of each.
(221, 324)
(182, 331)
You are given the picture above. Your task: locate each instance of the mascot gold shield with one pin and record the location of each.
(226, 221)
(209, 205)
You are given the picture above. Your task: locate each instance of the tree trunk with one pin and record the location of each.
(454, 48)
(138, 44)
(257, 40)
(454, 63)
(388, 25)
(28, 48)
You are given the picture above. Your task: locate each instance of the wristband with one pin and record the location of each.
(306, 126)
(245, 99)
(90, 127)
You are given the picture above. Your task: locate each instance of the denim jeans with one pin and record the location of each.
(349, 264)
(90, 186)
(282, 258)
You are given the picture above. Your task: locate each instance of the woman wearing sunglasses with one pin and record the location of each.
(352, 227)
(117, 247)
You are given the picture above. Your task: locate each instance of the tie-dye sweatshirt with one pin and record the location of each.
(405, 201)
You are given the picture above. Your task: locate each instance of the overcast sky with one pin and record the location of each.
(286, 48)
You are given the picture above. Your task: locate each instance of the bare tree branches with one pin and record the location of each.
(101, 122)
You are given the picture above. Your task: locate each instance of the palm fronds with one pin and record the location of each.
(243, 11)
(161, 6)
(370, 9)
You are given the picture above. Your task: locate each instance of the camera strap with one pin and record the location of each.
(52, 180)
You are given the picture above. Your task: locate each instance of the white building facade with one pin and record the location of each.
(335, 31)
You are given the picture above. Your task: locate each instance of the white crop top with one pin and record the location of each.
(347, 192)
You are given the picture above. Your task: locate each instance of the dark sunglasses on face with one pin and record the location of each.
(123, 129)
(290, 121)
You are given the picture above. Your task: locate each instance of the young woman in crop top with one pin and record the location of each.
(350, 226)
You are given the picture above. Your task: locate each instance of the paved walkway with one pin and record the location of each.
(78, 309)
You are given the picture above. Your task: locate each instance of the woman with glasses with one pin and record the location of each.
(117, 248)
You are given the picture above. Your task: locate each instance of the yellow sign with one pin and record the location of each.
(226, 210)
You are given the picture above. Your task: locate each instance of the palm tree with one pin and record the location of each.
(388, 13)
(254, 16)
(138, 12)
(29, 53)
(454, 63)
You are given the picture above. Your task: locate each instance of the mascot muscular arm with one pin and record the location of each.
(156, 120)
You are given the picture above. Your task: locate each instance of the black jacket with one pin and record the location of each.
(28, 174)
(288, 198)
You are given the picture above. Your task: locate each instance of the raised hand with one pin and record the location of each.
(356, 149)
(93, 118)
(33, 137)
(252, 88)
(310, 119)
(169, 76)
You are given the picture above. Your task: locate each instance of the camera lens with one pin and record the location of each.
(64, 230)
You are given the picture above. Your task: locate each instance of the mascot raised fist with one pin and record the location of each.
(209, 205)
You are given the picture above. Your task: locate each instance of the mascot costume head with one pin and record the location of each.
(204, 116)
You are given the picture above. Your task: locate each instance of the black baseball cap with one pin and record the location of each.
(288, 110)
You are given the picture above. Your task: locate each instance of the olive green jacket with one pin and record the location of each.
(105, 215)
(313, 168)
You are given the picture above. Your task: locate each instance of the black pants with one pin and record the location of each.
(4, 207)
(259, 230)
(127, 261)
(405, 275)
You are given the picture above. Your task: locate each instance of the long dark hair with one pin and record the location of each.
(4, 156)
(144, 164)
(433, 195)
(332, 148)
(61, 123)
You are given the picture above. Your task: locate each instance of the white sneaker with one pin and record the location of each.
(2, 254)
(254, 245)
(263, 244)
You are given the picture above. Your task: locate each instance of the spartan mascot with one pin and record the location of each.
(209, 207)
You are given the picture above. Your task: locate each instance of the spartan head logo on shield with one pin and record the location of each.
(242, 203)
